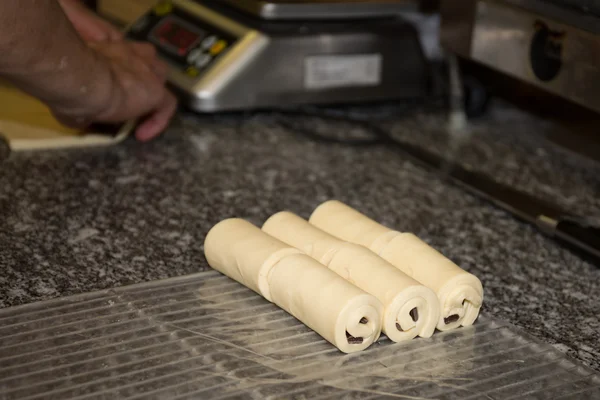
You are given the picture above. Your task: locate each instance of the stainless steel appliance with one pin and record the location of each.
(319, 9)
(233, 55)
(552, 44)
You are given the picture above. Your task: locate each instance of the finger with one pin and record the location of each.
(161, 70)
(136, 57)
(135, 93)
(78, 17)
(90, 26)
(90, 33)
(98, 31)
(80, 124)
(115, 52)
(114, 34)
(148, 53)
(123, 55)
(159, 120)
(144, 50)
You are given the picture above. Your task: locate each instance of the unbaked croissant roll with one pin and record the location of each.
(410, 309)
(341, 313)
(460, 293)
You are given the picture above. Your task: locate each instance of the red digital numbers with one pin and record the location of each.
(177, 36)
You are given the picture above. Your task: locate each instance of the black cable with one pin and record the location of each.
(315, 136)
(379, 136)
(431, 162)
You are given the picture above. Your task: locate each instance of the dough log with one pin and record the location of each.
(460, 293)
(341, 313)
(410, 309)
(234, 248)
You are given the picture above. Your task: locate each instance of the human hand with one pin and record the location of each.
(157, 111)
(90, 26)
(134, 87)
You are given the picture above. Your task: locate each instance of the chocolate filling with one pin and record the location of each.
(353, 340)
(363, 320)
(450, 319)
(414, 314)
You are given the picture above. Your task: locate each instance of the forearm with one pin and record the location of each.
(42, 53)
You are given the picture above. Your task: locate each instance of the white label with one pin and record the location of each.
(326, 72)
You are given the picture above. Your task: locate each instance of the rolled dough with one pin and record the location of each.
(340, 312)
(410, 309)
(460, 293)
(241, 251)
(27, 124)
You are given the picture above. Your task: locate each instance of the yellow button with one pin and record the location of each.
(218, 47)
(192, 71)
(163, 8)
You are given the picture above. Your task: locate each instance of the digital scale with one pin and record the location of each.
(249, 54)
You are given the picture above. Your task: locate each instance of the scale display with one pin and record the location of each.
(177, 36)
(190, 44)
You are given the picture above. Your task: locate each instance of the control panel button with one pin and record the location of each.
(163, 8)
(218, 47)
(209, 42)
(194, 55)
(192, 72)
(203, 60)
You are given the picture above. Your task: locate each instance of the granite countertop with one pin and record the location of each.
(83, 220)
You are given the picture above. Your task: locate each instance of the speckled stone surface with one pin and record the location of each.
(82, 220)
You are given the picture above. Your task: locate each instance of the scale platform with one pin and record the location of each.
(205, 336)
(226, 57)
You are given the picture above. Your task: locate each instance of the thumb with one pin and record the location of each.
(71, 122)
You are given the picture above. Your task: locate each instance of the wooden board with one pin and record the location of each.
(124, 11)
(27, 124)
